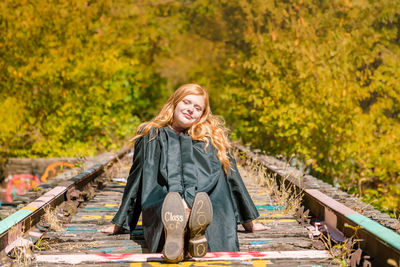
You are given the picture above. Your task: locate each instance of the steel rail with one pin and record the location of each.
(378, 242)
(21, 221)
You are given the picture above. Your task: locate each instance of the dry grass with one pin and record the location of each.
(118, 169)
(113, 170)
(23, 255)
(344, 253)
(288, 197)
(80, 164)
(50, 218)
(284, 194)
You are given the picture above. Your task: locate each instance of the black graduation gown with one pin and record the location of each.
(165, 161)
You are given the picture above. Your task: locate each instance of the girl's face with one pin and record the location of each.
(188, 111)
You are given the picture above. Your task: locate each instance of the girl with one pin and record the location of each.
(183, 175)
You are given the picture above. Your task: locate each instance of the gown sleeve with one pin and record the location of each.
(130, 208)
(245, 210)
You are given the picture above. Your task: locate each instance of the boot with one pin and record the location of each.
(200, 217)
(173, 216)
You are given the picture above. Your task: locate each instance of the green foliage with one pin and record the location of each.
(76, 76)
(314, 80)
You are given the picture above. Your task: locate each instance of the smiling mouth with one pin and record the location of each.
(187, 116)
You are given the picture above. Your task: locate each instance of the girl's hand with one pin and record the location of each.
(112, 230)
(252, 226)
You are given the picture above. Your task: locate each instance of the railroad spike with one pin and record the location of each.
(366, 262)
(355, 257)
(302, 216)
(299, 213)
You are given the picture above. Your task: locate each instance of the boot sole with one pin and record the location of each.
(173, 216)
(200, 217)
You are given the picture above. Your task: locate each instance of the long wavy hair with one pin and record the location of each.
(207, 127)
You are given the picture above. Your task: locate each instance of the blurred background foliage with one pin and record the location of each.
(314, 81)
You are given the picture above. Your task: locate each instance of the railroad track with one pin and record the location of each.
(291, 241)
(379, 243)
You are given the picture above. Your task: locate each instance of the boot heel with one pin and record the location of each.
(200, 217)
(198, 247)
